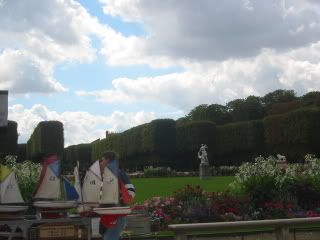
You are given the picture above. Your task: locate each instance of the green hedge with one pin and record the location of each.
(238, 142)
(148, 140)
(294, 134)
(191, 135)
(238, 137)
(47, 138)
(22, 152)
(160, 136)
(9, 139)
(77, 153)
(164, 143)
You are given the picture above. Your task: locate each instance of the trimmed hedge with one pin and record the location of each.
(77, 153)
(9, 139)
(237, 137)
(47, 138)
(190, 136)
(148, 141)
(294, 134)
(160, 136)
(22, 152)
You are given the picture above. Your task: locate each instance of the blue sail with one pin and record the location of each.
(114, 167)
(71, 192)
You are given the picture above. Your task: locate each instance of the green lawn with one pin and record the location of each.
(151, 187)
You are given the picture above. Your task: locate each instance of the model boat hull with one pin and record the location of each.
(113, 211)
(55, 204)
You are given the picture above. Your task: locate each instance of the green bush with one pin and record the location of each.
(22, 152)
(224, 170)
(47, 138)
(191, 135)
(156, 138)
(161, 136)
(237, 137)
(27, 174)
(265, 181)
(77, 153)
(158, 172)
(294, 134)
(9, 139)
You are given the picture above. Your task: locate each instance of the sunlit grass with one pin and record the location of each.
(150, 187)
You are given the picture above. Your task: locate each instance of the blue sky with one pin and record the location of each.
(113, 64)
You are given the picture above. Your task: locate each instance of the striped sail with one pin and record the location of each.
(9, 189)
(49, 182)
(110, 184)
(92, 184)
(77, 182)
(69, 189)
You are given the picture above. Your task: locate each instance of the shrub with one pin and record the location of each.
(158, 172)
(27, 174)
(224, 170)
(47, 138)
(77, 153)
(191, 135)
(156, 139)
(294, 134)
(244, 136)
(266, 181)
(22, 152)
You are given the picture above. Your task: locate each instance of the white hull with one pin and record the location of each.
(12, 208)
(86, 207)
(55, 204)
(113, 211)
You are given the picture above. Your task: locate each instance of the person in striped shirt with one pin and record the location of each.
(112, 226)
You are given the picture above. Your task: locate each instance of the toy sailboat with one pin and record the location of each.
(51, 185)
(10, 197)
(101, 189)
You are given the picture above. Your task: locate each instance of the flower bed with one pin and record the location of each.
(263, 189)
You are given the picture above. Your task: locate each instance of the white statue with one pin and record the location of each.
(202, 154)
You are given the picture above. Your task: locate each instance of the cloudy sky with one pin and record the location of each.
(101, 65)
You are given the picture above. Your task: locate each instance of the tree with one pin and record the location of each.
(250, 108)
(279, 96)
(214, 112)
(236, 110)
(198, 113)
(311, 98)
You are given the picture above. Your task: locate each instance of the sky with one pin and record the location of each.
(99, 65)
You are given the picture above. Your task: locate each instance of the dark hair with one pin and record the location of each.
(109, 155)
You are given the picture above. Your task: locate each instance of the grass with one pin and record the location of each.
(147, 188)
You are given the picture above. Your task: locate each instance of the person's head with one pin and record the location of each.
(106, 158)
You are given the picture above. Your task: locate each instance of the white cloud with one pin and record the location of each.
(227, 49)
(219, 82)
(16, 65)
(213, 30)
(79, 127)
(43, 34)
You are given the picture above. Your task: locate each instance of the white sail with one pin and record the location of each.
(77, 182)
(49, 187)
(92, 184)
(10, 192)
(110, 188)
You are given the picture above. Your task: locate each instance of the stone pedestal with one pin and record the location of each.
(204, 171)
